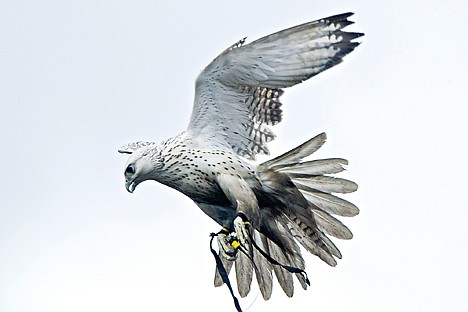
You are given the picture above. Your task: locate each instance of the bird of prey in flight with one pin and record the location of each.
(280, 204)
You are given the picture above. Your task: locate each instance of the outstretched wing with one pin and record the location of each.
(237, 94)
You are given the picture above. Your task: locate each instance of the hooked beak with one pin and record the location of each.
(130, 186)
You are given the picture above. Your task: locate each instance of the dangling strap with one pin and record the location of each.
(237, 246)
(223, 273)
(267, 256)
(275, 262)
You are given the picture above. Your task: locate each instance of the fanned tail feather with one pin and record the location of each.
(312, 241)
(263, 269)
(283, 277)
(314, 167)
(295, 155)
(329, 203)
(296, 205)
(227, 264)
(309, 224)
(244, 272)
(331, 225)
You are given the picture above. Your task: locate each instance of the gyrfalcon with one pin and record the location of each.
(278, 204)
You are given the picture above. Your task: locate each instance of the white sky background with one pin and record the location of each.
(78, 79)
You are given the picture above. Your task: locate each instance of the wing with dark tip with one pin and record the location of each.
(238, 94)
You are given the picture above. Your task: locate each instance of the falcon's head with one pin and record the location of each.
(143, 164)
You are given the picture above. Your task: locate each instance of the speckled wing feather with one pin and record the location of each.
(237, 94)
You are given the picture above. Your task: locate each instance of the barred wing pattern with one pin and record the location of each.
(237, 94)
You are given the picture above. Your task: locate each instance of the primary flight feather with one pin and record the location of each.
(281, 202)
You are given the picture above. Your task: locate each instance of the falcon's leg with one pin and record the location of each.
(241, 226)
(227, 244)
(243, 199)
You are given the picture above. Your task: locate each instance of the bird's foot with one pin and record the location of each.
(227, 244)
(241, 226)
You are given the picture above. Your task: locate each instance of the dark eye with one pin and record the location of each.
(130, 169)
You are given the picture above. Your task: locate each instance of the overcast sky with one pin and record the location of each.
(78, 79)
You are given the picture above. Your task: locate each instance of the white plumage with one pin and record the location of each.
(286, 200)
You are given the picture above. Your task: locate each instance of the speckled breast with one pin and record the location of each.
(194, 173)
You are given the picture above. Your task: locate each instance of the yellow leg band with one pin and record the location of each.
(235, 244)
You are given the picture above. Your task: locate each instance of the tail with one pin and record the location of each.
(296, 205)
